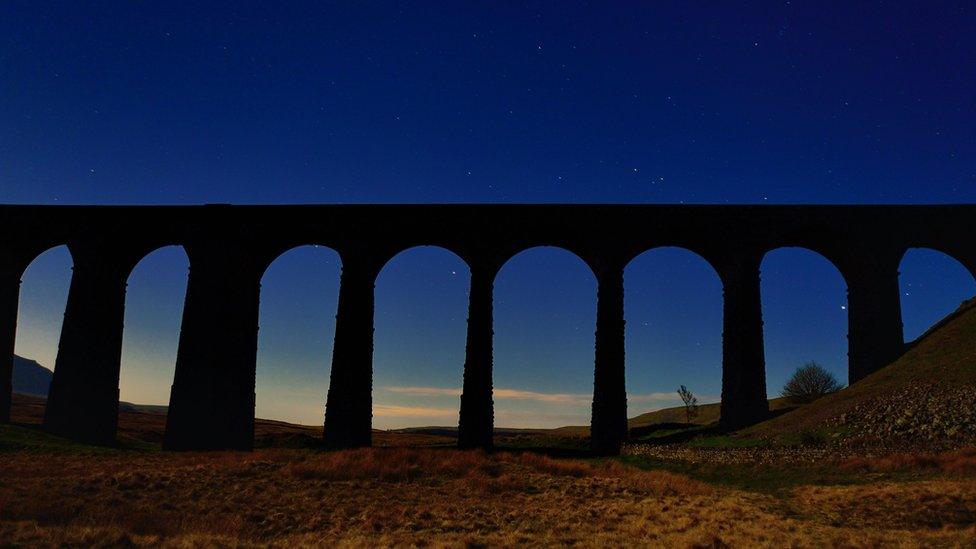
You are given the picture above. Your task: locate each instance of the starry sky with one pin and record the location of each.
(551, 102)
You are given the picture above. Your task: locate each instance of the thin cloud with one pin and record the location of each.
(498, 394)
(537, 396)
(390, 411)
(561, 398)
(424, 391)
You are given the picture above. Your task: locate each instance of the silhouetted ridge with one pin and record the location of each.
(30, 378)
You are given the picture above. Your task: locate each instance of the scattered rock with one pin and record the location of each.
(931, 412)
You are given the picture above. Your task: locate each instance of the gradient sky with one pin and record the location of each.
(136, 103)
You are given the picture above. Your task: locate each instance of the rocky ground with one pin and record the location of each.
(936, 413)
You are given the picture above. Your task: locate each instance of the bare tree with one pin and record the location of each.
(809, 383)
(691, 403)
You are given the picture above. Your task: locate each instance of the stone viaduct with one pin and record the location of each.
(229, 248)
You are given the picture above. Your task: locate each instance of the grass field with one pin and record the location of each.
(57, 493)
(810, 477)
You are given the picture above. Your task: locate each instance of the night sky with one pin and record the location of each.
(683, 102)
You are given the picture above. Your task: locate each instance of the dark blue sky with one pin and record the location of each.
(126, 103)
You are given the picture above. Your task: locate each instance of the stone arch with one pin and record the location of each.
(560, 391)
(421, 300)
(698, 255)
(293, 364)
(659, 338)
(798, 331)
(153, 307)
(917, 266)
(28, 258)
(399, 251)
(83, 401)
(41, 305)
(266, 256)
(581, 256)
(14, 264)
(136, 255)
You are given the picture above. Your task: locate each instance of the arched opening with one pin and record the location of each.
(40, 312)
(419, 341)
(299, 296)
(155, 292)
(932, 285)
(544, 321)
(673, 309)
(804, 307)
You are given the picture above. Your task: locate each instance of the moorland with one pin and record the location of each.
(889, 461)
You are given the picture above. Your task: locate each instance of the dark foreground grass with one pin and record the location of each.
(777, 479)
(30, 438)
(57, 493)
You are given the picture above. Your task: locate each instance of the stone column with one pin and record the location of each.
(874, 336)
(349, 405)
(9, 296)
(608, 424)
(743, 358)
(476, 423)
(212, 399)
(83, 401)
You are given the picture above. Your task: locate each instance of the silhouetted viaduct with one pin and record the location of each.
(229, 247)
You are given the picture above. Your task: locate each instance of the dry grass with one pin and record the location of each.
(918, 505)
(962, 461)
(403, 496)
(392, 465)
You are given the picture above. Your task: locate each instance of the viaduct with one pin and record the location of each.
(229, 248)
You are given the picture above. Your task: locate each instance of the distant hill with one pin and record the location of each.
(925, 396)
(144, 408)
(30, 378)
(452, 431)
(707, 414)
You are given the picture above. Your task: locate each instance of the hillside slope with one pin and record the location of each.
(707, 414)
(927, 395)
(30, 378)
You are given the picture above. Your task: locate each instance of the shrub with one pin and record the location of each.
(809, 437)
(809, 383)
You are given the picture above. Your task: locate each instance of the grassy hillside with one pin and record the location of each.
(926, 395)
(707, 414)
